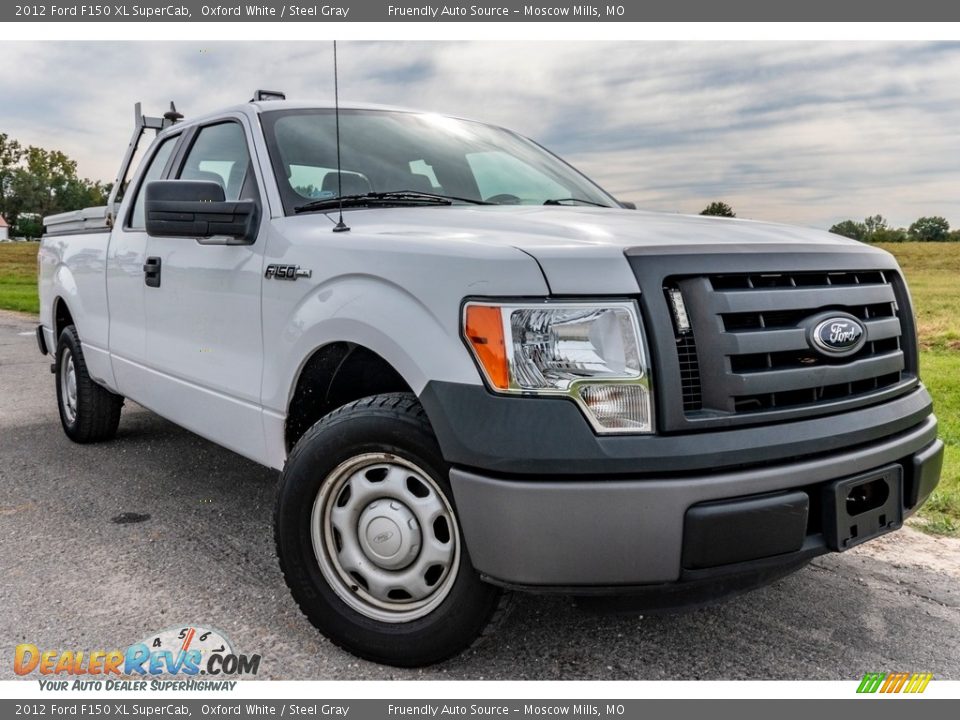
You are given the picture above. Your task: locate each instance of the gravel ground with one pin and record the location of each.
(70, 577)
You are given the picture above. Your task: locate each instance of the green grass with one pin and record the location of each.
(18, 277)
(932, 269)
(941, 373)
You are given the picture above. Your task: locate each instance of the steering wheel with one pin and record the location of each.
(503, 199)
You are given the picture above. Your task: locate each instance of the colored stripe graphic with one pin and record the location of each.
(871, 682)
(919, 682)
(894, 683)
(913, 683)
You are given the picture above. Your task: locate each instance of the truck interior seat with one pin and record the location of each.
(420, 183)
(353, 183)
(204, 175)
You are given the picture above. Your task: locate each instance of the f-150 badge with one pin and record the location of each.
(286, 272)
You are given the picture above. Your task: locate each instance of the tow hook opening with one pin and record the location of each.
(866, 497)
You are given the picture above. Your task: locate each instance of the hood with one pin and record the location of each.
(578, 248)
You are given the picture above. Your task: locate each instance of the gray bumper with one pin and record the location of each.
(616, 532)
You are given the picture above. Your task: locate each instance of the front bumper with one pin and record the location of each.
(610, 533)
(550, 437)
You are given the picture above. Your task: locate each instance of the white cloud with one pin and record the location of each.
(800, 132)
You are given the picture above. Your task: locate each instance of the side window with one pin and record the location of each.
(219, 154)
(157, 163)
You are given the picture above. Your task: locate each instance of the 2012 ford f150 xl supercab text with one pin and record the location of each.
(491, 375)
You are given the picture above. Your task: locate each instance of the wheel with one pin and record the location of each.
(368, 539)
(88, 411)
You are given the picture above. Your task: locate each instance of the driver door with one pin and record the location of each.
(204, 340)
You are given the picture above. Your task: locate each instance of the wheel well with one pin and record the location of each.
(335, 375)
(61, 318)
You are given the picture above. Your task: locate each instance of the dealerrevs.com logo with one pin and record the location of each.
(186, 653)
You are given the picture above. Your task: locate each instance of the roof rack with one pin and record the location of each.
(141, 124)
(261, 95)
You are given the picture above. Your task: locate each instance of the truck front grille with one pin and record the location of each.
(689, 372)
(751, 351)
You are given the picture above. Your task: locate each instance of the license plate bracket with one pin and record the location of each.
(862, 507)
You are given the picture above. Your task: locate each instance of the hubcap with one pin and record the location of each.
(389, 534)
(68, 386)
(385, 537)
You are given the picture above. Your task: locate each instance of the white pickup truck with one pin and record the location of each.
(489, 375)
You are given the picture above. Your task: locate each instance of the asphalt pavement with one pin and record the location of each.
(71, 577)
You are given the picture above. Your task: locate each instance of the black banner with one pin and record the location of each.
(877, 709)
(483, 11)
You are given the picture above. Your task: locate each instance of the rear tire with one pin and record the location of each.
(88, 412)
(368, 538)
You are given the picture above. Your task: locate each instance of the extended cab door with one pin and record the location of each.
(204, 343)
(125, 258)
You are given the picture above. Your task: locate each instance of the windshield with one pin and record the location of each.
(387, 151)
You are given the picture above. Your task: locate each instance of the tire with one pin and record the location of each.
(89, 412)
(354, 493)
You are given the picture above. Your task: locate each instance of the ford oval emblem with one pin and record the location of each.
(839, 336)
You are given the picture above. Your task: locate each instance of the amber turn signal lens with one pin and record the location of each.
(484, 330)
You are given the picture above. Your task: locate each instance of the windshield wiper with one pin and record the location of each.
(393, 197)
(560, 201)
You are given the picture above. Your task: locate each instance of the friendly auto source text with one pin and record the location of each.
(434, 11)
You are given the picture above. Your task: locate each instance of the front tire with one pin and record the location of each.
(368, 537)
(88, 412)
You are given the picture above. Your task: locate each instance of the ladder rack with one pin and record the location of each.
(141, 124)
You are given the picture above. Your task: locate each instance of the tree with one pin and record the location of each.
(719, 209)
(28, 225)
(850, 229)
(873, 225)
(10, 155)
(889, 235)
(35, 182)
(930, 229)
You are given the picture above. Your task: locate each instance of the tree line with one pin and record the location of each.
(874, 229)
(35, 182)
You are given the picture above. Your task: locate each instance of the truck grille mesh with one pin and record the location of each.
(748, 349)
(689, 373)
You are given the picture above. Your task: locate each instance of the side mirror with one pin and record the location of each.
(197, 209)
(627, 205)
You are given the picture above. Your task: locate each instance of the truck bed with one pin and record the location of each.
(92, 219)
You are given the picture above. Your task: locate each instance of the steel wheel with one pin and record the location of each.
(385, 537)
(68, 386)
(369, 541)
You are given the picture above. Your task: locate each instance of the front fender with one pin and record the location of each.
(377, 314)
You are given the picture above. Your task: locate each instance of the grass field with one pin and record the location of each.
(18, 277)
(933, 270)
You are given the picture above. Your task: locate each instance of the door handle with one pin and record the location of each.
(151, 272)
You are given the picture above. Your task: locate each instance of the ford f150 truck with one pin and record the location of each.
(479, 372)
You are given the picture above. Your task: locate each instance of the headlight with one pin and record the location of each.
(590, 353)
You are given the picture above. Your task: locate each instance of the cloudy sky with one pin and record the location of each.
(807, 133)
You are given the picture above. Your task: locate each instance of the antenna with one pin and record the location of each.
(340, 226)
